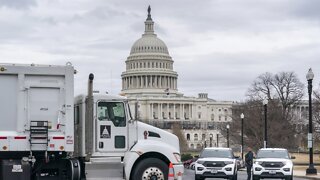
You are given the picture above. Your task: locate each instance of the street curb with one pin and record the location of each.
(306, 177)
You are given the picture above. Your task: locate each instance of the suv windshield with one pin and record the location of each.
(273, 154)
(218, 153)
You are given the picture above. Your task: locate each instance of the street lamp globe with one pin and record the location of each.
(228, 126)
(310, 75)
(242, 116)
(265, 101)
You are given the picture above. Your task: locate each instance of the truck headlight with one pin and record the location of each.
(177, 156)
(258, 162)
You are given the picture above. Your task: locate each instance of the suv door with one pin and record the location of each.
(111, 127)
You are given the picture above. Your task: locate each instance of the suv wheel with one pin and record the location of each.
(289, 178)
(255, 177)
(235, 177)
(198, 177)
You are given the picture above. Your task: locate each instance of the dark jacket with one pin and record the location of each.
(249, 158)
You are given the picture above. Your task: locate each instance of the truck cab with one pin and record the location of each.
(127, 146)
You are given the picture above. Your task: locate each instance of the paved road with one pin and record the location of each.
(242, 175)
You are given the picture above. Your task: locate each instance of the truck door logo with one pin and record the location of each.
(105, 131)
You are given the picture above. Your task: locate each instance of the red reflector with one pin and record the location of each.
(20, 137)
(58, 137)
(3, 137)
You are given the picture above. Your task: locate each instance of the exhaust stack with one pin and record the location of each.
(89, 118)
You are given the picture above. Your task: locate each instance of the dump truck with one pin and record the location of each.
(48, 134)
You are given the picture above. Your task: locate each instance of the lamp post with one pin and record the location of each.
(242, 117)
(228, 135)
(211, 137)
(310, 169)
(217, 140)
(265, 104)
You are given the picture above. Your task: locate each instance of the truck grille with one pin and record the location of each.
(214, 164)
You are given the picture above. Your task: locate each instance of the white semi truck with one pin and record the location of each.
(47, 134)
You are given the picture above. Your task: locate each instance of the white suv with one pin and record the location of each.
(216, 163)
(272, 163)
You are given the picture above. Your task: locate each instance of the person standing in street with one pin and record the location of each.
(249, 162)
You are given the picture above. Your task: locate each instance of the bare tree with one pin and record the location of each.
(289, 90)
(279, 132)
(176, 129)
(261, 87)
(283, 90)
(316, 106)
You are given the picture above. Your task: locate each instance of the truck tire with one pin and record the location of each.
(150, 169)
(73, 169)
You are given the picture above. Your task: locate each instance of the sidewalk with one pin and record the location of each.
(302, 173)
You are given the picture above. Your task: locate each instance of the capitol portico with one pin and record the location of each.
(151, 80)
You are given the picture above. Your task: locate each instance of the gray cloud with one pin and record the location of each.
(18, 4)
(219, 46)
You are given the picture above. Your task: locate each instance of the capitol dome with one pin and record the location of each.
(149, 67)
(149, 43)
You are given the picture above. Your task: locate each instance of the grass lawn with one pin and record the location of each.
(304, 158)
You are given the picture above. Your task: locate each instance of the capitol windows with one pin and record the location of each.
(203, 137)
(219, 118)
(195, 137)
(188, 137)
(199, 115)
(219, 110)
(144, 64)
(212, 117)
(225, 118)
(198, 146)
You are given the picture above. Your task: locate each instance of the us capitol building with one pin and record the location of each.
(150, 79)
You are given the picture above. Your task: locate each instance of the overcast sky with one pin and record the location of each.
(218, 46)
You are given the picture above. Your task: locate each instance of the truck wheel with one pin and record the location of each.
(255, 177)
(73, 169)
(151, 169)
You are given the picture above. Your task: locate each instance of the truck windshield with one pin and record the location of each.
(218, 153)
(273, 154)
(112, 111)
